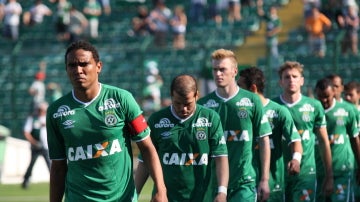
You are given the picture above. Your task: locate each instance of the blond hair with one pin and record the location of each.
(220, 54)
(291, 65)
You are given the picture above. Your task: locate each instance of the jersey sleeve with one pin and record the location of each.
(55, 140)
(217, 140)
(136, 122)
(261, 125)
(351, 127)
(289, 130)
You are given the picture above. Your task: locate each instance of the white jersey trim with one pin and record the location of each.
(86, 103)
(290, 104)
(229, 98)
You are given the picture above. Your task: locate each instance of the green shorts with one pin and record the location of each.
(245, 192)
(299, 189)
(342, 188)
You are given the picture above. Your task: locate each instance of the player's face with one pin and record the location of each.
(184, 106)
(224, 72)
(82, 69)
(291, 81)
(352, 96)
(338, 87)
(326, 97)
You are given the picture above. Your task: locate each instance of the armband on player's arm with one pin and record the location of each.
(138, 125)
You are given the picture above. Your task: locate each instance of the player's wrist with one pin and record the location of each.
(222, 189)
(297, 156)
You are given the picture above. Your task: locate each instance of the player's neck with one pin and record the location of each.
(228, 91)
(86, 95)
(291, 97)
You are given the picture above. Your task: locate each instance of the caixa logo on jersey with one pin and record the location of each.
(63, 110)
(109, 104)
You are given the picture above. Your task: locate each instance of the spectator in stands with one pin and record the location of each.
(37, 90)
(12, 12)
(139, 23)
(35, 133)
(106, 6)
(77, 25)
(316, 25)
(307, 6)
(92, 11)
(2, 6)
(159, 22)
(36, 13)
(152, 90)
(197, 9)
(350, 22)
(54, 91)
(234, 10)
(273, 28)
(62, 18)
(178, 23)
(213, 12)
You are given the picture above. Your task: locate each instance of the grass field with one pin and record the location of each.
(39, 192)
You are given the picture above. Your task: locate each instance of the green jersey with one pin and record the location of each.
(95, 139)
(341, 124)
(284, 133)
(185, 148)
(308, 114)
(243, 120)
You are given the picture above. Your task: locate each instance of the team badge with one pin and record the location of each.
(200, 135)
(243, 114)
(306, 117)
(110, 119)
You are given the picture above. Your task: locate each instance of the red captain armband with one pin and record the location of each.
(138, 125)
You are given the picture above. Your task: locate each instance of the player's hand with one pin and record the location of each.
(328, 186)
(220, 197)
(293, 167)
(263, 192)
(159, 197)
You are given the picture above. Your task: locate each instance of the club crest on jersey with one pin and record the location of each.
(109, 104)
(211, 104)
(306, 117)
(63, 110)
(245, 102)
(243, 114)
(200, 135)
(164, 123)
(202, 122)
(110, 119)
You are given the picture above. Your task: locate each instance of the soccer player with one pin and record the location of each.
(338, 86)
(188, 138)
(352, 95)
(309, 118)
(283, 126)
(89, 136)
(243, 121)
(341, 126)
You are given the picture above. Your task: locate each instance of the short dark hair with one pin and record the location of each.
(333, 76)
(351, 86)
(323, 84)
(253, 75)
(85, 45)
